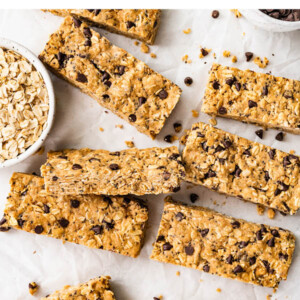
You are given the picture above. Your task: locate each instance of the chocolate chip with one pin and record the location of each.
(63, 222)
(219, 148)
(252, 104)
(252, 260)
(168, 138)
(177, 127)
(259, 133)
(210, 174)
(96, 12)
(176, 189)
(275, 233)
(204, 52)
(166, 175)
(230, 81)
(247, 152)
(76, 167)
(105, 96)
(283, 256)
(54, 178)
(216, 85)
(237, 171)
(284, 186)
(121, 70)
(222, 110)
(98, 229)
(227, 143)
(236, 224)
(229, 259)
(267, 176)
(160, 238)
(174, 156)
(265, 90)
(129, 24)
(61, 57)
(39, 229)
(163, 94)
(142, 100)
(249, 56)
(20, 222)
(271, 242)
(259, 235)
(277, 192)
(105, 76)
(87, 32)
(286, 161)
(77, 22)
(75, 203)
(46, 209)
(4, 229)
(189, 250)
(81, 78)
(243, 244)
(206, 268)
(109, 225)
(132, 118)
(167, 246)
(88, 43)
(215, 14)
(279, 136)
(179, 216)
(204, 232)
(188, 81)
(107, 83)
(194, 197)
(238, 269)
(114, 167)
(237, 86)
(3, 221)
(272, 153)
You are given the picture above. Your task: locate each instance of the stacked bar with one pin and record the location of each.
(116, 79)
(205, 240)
(252, 97)
(97, 288)
(235, 166)
(133, 171)
(117, 224)
(141, 24)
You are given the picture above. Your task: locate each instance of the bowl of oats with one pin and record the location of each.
(27, 103)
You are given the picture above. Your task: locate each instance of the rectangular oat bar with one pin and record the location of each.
(252, 97)
(97, 288)
(112, 76)
(141, 24)
(132, 171)
(208, 241)
(235, 166)
(117, 224)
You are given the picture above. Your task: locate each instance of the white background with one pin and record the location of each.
(27, 257)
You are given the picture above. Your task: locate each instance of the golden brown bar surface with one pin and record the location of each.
(208, 241)
(141, 24)
(235, 166)
(112, 76)
(252, 97)
(97, 288)
(132, 171)
(117, 224)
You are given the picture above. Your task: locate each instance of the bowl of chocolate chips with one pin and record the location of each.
(276, 20)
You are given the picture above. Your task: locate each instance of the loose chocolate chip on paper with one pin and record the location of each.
(189, 250)
(132, 118)
(163, 94)
(188, 81)
(215, 14)
(204, 52)
(46, 209)
(98, 229)
(249, 56)
(237, 86)
(167, 246)
(63, 222)
(76, 167)
(114, 167)
(177, 127)
(168, 138)
(222, 110)
(259, 133)
(279, 136)
(194, 197)
(75, 203)
(81, 78)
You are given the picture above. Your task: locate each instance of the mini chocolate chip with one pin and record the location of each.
(132, 118)
(238, 269)
(230, 81)
(252, 260)
(275, 233)
(96, 12)
(252, 104)
(216, 85)
(3, 221)
(76, 167)
(215, 14)
(249, 56)
(194, 197)
(167, 246)
(188, 81)
(236, 224)
(163, 94)
(206, 268)
(142, 100)
(204, 52)
(160, 238)
(263, 229)
(204, 232)
(129, 24)
(237, 86)
(259, 133)
(77, 22)
(272, 153)
(39, 229)
(168, 138)
(121, 70)
(267, 176)
(166, 175)
(177, 127)
(229, 259)
(243, 244)
(271, 242)
(54, 178)
(283, 256)
(179, 216)
(98, 229)
(46, 209)
(105, 76)
(87, 32)
(265, 90)
(189, 250)
(279, 136)
(259, 235)
(81, 78)
(222, 110)
(114, 167)
(75, 203)
(63, 222)
(286, 161)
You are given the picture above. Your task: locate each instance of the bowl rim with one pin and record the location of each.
(277, 21)
(34, 60)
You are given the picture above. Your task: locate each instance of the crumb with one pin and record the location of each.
(236, 13)
(271, 213)
(224, 203)
(119, 126)
(187, 31)
(101, 129)
(195, 113)
(218, 290)
(201, 280)
(215, 202)
(136, 43)
(34, 252)
(153, 55)
(226, 53)
(261, 63)
(260, 209)
(268, 297)
(129, 144)
(243, 34)
(145, 48)
(177, 273)
(234, 59)
(186, 59)
(213, 122)
(40, 151)
(203, 52)
(33, 287)
(292, 151)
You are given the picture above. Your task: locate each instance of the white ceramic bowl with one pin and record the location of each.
(11, 45)
(262, 20)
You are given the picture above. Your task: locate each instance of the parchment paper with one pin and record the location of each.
(28, 257)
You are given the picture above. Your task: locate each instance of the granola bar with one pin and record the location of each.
(141, 24)
(251, 97)
(132, 171)
(112, 76)
(235, 166)
(208, 241)
(97, 288)
(110, 223)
